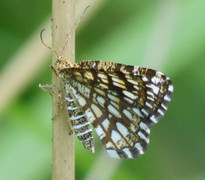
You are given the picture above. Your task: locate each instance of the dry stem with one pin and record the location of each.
(63, 18)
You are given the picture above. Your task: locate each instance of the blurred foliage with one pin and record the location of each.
(119, 32)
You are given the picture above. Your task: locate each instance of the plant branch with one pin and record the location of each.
(63, 22)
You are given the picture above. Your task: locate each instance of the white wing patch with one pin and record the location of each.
(114, 111)
(144, 127)
(106, 124)
(115, 136)
(127, 114)
(139, 148)
(122, 129)
(100, 132)
(96, 110)
(90, 115)
(112, 153)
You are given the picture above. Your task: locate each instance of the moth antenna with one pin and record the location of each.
(81, 17)
(41, 37)
(68, 35)
(75, 27)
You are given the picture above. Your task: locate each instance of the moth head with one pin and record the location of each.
(62, 63)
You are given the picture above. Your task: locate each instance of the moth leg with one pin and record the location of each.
(70, 129)
(60, 106)
(61, 102)
(54, 70)
(48, 88)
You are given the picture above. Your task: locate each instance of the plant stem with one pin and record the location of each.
(63, 18)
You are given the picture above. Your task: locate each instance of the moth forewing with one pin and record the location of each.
(122, 103)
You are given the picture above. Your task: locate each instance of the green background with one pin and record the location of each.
(131, 32)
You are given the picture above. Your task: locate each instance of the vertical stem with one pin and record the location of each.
(63, 167)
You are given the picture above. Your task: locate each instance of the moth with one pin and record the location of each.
(121, 102)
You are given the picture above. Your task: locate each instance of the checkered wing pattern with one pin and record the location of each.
(122, 102)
